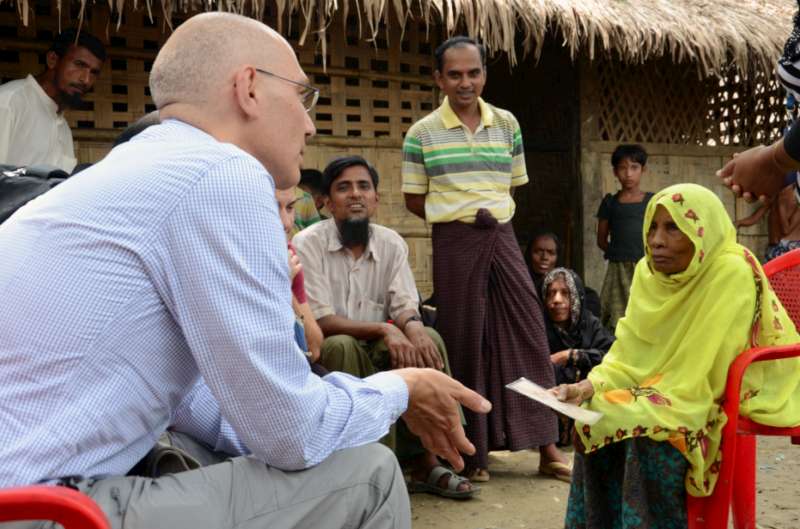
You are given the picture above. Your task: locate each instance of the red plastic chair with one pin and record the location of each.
(739, 434)
(62, 505)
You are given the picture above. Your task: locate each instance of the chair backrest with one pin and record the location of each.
(784, 276)
(67, 507)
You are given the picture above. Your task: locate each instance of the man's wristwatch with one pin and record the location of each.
(412, 318)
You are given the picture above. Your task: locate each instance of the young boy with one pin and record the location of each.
(619, 230)
(783, 222)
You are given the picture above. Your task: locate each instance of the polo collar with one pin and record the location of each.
(451, 120)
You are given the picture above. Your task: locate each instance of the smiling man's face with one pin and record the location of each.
(353, 195)
(462, 78)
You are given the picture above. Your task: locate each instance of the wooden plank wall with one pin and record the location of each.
(667, 164)
(371, 93)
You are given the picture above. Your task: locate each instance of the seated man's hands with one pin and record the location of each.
(432, 413)
(402, 352)
(758, 173)
(574, 393)
(427, 354)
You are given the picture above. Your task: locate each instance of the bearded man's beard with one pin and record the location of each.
(68, 100)
(354, 232)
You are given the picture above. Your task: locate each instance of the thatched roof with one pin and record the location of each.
(712, 33)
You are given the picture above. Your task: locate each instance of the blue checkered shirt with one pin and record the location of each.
(123, 285)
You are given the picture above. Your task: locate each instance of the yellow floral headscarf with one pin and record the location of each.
(665, 376)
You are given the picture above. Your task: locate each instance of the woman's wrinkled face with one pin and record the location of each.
(544, 254)
(671, 250)
(557, 302)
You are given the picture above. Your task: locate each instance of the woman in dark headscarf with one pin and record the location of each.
(542, 256)
(577, 339)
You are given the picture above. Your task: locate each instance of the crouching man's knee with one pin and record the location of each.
(344, 353)
(337, 351)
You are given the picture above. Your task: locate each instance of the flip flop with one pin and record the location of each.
(557, 470)
(431, 485)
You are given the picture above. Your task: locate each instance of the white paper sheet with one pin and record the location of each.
(539, 394)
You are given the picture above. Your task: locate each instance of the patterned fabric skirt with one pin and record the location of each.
(776, 250)
(491, 321)
(633, 484)
(616, 289)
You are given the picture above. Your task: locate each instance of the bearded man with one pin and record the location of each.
(32, 125)
(362, 293)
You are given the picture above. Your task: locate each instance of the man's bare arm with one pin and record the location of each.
(361, 330)
(426, 352)
(602, 234)
(415, 204)
(754, 218)
(758, 173)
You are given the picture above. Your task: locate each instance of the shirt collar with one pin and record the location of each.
(42, 95)
(174, 127)
(451, 120)
(335, 244)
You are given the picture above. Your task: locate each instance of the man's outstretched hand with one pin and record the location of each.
(432, 413)
(758, 173)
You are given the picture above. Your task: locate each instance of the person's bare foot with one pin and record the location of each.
(479, 475)
(553, 462)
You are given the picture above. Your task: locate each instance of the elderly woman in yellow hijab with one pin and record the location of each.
(698, 299)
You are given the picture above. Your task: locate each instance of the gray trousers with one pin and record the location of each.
(354, 488)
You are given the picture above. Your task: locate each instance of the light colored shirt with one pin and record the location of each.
(32, 131)
(163, 262)
(461, 171)
(377, 286)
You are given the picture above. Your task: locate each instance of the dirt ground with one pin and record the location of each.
(518, 498)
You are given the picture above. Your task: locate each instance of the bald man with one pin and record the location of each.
(151, 300)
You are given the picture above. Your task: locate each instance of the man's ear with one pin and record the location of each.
(244, 91)
(438, 79)
(52, 59)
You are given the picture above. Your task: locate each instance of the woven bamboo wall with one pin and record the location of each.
(370, 93)
(368, 90)
(664, 102)
(689, 127)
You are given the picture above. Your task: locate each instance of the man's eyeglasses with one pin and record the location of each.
(308, 96)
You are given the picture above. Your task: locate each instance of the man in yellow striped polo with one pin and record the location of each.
(460, 166)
